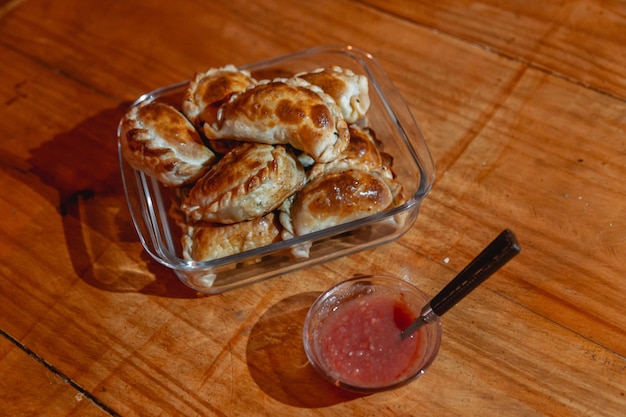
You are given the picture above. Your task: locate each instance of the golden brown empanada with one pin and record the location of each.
(364, 146)
(284, 111)
(349, 90)
(337, 197)
(158, 140)
(209, 90)
(208, 241)
(363, 152)
(248, 182)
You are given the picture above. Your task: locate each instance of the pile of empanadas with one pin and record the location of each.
(257, 161)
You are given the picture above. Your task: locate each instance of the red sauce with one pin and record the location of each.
(360, 342)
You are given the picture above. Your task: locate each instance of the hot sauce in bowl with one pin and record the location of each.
(352, 334)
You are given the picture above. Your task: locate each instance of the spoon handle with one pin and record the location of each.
(493, 257)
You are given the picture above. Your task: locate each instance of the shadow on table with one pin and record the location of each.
(277, 361)
(82, 165)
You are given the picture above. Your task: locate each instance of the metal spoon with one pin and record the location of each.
(493, 257)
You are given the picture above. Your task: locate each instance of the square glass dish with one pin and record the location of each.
(149, 201)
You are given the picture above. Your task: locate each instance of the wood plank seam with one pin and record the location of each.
(84, 392)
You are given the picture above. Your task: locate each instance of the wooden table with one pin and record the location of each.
(523, 105)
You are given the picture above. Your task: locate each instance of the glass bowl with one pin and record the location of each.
(351, 334)
(388, 116)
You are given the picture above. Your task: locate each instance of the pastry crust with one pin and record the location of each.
(210, 89)
(284, 111)
(363, 152)
(159, 141)
(248, 182)
(223, 146)
(208, 241)
(364, 147)
(349, 90)
(337, 197)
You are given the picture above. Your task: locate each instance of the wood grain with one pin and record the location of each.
(580, 41)
(525, 121)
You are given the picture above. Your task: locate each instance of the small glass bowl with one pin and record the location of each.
(351, 334)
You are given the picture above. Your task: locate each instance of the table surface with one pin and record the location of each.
(523, 106)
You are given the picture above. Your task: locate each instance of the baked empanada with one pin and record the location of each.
(364, 147)
(349, 90)
(208, 241)
(209, 90)
(158, 140)
(367, 152)
(284, 111)
(337, 197)
(363, 152)
(248, 182)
